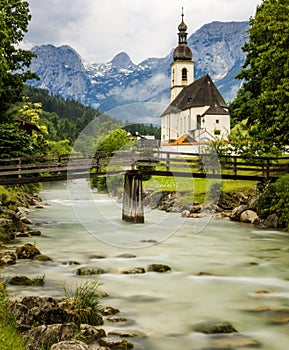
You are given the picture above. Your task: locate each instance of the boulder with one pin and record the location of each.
(214, 327)
(123, 333)
(272, 221)
(70, 345)
(133, 270)
(248, 216)
(44, 336)
(236, 213)
(161, 268)
(41, 258)
(90, 333)
(126, 256)
(108, 311)
(20, 281)
(25, 220)
(88, 271)
(233, 341)
(7, 258)
(113, 343)
(27, 251)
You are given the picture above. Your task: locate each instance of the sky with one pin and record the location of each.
(100, 29)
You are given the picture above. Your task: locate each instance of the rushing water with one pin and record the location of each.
(215, 272)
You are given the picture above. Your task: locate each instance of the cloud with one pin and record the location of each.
(99, 29)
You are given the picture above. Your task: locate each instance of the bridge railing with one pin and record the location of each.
(153, 162)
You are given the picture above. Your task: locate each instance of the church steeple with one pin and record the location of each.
(182, 73)
(182, 52)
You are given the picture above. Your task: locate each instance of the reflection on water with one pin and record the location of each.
(215, 273)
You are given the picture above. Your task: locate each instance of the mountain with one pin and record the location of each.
(140, 92)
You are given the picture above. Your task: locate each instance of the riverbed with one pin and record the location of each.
(221, 270)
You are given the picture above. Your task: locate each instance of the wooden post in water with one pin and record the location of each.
(132, 210)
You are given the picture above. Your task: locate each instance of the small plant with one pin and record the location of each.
(83, 302)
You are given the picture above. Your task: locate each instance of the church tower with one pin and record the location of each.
(182, 69)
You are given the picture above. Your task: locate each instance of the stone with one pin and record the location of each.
(7, 258)
(161, 268)
(133, 270)
(20, 281)
(185, 213)
(90, 333)
(108, 311)
(127, 333)
(236, 213)
(117, 319)
(41, 257)
(116, 343)
(35, 233)
(126, 256)
(214, 327)
(248, 216)
(232, 341)
(27, 251)
(25, 220)
(71, 262)
(195, 208)
(88, 271)
(70, 345)
(272, 221)
(44, 336)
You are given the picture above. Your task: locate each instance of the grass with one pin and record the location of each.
(10, 339)
(83, 302)
(196, 189)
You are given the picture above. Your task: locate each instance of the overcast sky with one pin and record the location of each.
(99, 29)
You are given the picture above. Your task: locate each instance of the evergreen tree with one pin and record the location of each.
(14, 61)
(264, 98)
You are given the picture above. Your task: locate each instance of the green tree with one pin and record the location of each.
(264, 98)
(14, 61)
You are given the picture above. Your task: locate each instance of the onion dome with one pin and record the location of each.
(182, 52)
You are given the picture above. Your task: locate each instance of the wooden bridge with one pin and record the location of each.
(134, 165)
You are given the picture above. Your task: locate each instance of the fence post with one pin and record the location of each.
(235, 166)
(168, 162)
(19, 167)
(268, 168)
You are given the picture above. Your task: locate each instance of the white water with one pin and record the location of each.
(78, 224)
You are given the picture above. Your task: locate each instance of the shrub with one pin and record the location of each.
(274, 198)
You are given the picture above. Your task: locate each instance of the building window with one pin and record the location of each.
(217, 121)
(217, 132)
(184, 74)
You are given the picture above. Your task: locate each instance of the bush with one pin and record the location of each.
(274, 198)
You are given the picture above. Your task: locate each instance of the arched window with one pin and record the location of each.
(184, 74)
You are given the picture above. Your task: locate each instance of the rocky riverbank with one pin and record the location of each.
(236, 207)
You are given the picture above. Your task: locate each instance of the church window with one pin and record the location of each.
(184, 74)
(199, 122)
(217, 132)
(217, 121)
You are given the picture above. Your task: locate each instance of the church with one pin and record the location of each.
(197, 112)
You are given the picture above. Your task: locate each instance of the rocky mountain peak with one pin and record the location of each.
(216, 48)
(122, 60)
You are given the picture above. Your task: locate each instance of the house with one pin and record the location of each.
(197, 108)
(27, 126)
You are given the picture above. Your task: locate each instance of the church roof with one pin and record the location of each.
(201, 92)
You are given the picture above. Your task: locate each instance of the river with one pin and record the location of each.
(216, 271)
